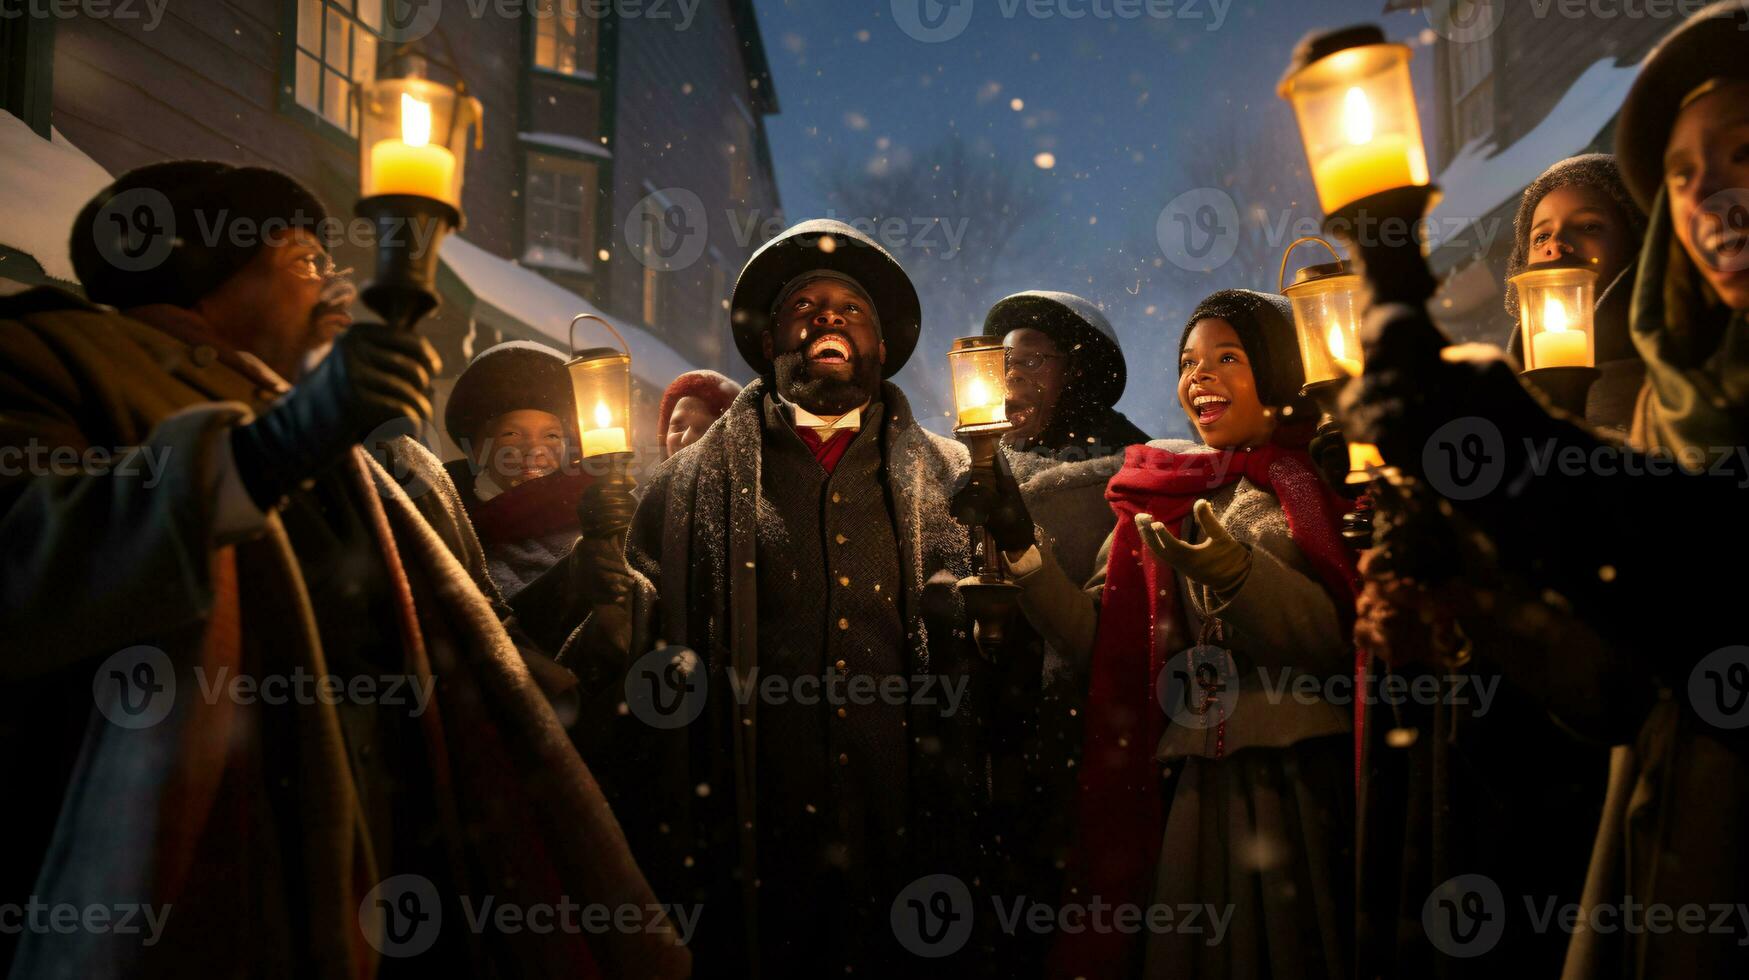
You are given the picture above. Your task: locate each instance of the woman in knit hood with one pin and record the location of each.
(692, 402)
(1224, 578)
(1581, 207)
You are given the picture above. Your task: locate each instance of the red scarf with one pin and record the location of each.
(531, 510)
(1119, 821)
(828, 451)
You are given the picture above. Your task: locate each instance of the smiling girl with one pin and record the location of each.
(1217, 773)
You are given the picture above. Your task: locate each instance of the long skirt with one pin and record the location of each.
(1263, 838)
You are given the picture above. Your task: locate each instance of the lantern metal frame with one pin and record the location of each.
(410, 228)
(990, 594)
(607, 506)
(1566, 387)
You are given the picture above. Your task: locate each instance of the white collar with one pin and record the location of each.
(849, 421)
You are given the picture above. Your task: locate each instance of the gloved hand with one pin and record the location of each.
(990, 498)
(599, 573)
(1329, 452)
(1218, 562)
(607, 508)
(374, 375)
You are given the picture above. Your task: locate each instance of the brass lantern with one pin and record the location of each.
(601, 380)
(413, 138)
(1556, 302)
(979, 366)
(1327, 303)
(1556, 314)
(1352, 95)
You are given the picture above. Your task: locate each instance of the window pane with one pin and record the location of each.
(364, 56)
(566, 25)
(371, 12)
(334, 98)
(337, 51)
(543, 44)
(587, 30)
(308, 95)
(310, 25)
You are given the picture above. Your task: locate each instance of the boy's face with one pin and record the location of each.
(520, 446)
(1217, 390)
(1584, 222)
(1706, 174)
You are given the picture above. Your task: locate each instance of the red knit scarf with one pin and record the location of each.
(531, 510)
(1119, 820)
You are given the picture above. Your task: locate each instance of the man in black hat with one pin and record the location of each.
(792, 552)
(263, 618)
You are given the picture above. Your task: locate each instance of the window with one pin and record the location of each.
(560, 199)
(1472, 74)
(336, 46)
(565, 37)
(1475, 113)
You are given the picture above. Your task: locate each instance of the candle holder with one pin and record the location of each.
(1352, 95)
(601, 383)
(979, 366)
(412, 151)
(1557, 306)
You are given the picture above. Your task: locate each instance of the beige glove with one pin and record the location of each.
(1218, 562)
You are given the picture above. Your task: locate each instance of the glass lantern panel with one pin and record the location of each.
(1358, 119)
(979, 389)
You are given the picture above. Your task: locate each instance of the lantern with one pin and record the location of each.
(1326, 303)
(1556, 303)
(413, 138)
(1352, 95)
(601, 380)
(980, 393)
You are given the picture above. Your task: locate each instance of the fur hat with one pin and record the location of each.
(850, 253)
(213, 214)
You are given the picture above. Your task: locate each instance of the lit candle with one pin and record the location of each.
(1362, 457)
(1370, 164)
(606, 437)
(981, 409)
(411, 165)
(1559, 344)
(1338, 349)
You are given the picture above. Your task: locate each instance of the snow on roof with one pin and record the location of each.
(43, 184)
(539, 303)
(572, 143)
(1480, 179)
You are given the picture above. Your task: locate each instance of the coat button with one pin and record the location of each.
(843, 760)
(835, 497)
(842, 713)
(204, 355)
(842, 665)
(844, 580)
(843, 623)
(841, 539)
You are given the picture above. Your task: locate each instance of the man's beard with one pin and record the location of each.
(797, 383)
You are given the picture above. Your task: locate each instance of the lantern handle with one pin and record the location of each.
(572, 338)
(1281, 277)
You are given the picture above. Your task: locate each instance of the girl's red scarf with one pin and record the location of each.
(531, 510)
(1119, 821)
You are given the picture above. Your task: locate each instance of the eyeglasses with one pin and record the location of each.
(1030, 362)
(316, 265)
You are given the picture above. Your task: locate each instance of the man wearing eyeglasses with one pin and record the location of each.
(220, 694)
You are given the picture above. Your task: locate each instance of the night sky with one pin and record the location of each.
(1123, 105)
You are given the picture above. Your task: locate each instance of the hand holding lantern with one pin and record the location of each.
(979, 366)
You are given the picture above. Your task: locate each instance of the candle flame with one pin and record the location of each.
(977, 393)
(1555, 316)
(1338, 346)
(603, 417)
(1357, 121)
(415, 121)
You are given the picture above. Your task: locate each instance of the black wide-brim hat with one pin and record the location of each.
(851, 253)
(1714, 43)
(1075, 325)
(509, 377)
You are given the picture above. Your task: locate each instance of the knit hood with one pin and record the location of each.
(1595, 170)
